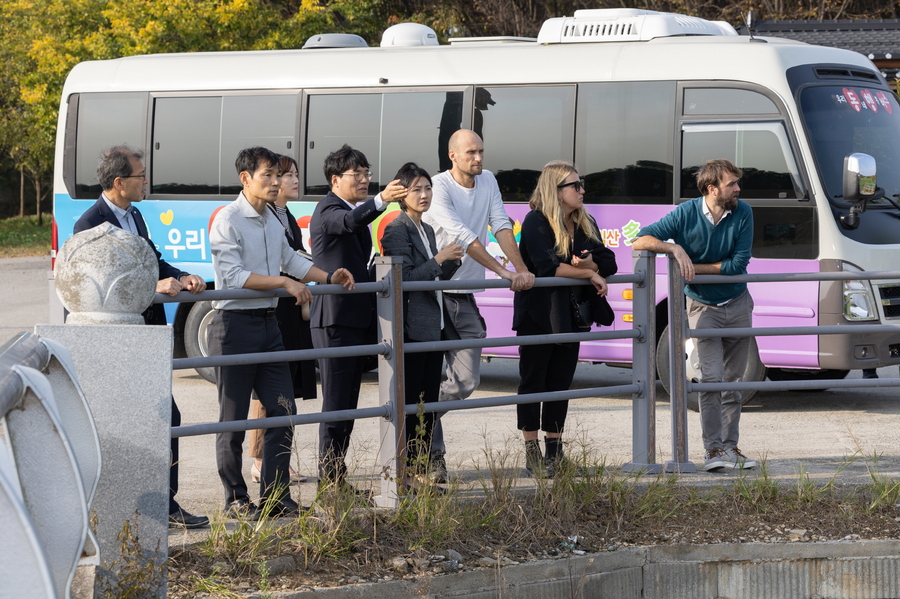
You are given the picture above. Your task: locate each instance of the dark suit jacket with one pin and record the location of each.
(341, 239)
(421, 311)
(101, 213)
(551, 307)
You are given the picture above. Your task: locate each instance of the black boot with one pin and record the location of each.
(555, 459)
(534, 459)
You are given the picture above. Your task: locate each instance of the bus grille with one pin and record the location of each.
(890, 300)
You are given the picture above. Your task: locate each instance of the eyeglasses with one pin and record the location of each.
(359, 176)
(138, 176)
(578, 185)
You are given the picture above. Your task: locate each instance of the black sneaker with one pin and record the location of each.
(183, 519)
(241, 509)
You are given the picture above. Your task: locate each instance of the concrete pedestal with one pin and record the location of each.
(125, 372)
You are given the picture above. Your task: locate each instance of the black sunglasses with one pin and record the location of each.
(578, 185)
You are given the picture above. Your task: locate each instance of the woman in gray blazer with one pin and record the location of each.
(423, 311)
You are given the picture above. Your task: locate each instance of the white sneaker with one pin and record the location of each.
(736, 460)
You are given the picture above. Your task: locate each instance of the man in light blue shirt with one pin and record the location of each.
(249, 251)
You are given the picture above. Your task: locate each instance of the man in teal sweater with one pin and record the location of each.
(712, 235)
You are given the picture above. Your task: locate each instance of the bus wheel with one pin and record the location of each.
(195, 336)
(755, 371)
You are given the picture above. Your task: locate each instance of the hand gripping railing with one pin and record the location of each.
(49, 469)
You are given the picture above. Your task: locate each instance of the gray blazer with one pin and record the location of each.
(421, 312)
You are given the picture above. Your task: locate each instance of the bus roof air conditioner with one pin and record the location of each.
(409, 34)
(626, 25)
(335, 40)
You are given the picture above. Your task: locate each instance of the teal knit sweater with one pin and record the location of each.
(728, 242)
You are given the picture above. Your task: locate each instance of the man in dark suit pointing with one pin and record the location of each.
(339, 233)
(123, 178)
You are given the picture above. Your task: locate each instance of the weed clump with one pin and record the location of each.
(137, 574)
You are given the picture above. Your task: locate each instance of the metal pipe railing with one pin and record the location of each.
(389, 289)
(679, 332)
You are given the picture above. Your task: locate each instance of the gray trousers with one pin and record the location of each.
(722, 359)
(463, 371)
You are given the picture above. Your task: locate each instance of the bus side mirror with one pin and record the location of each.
(859, 186)
(859, 178)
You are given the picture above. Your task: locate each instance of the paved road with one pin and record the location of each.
(816, 431)
(26, 298)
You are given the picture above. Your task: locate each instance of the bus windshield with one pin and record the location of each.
(844, 120)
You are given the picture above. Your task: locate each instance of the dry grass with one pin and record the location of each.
(587, 508)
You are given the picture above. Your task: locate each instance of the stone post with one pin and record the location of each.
(106, 277)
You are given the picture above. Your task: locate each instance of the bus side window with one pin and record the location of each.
(390, 129)
(760, 149)
(267, 121)
(523, 129)
(186, 145)
(196, 139)
(783, 227)
(624, 142)
(417, 127)
(105, 120)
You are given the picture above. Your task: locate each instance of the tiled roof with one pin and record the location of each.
(878, 39)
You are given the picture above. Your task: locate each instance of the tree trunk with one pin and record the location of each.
(21, 192)
(37, 195)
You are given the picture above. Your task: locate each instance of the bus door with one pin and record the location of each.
(747, 127)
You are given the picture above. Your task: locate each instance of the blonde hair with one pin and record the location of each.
(545, 200)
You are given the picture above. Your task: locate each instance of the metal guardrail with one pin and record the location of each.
(389, 289)
(392, 410)
(681, 386)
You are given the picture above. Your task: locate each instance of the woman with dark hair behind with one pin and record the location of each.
(423, 311)
(294, 328)
(559, 239)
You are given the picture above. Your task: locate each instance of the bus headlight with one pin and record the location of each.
(858, 304)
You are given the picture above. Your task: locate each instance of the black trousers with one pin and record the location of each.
(423, 383)
(341, 379)
(173, 455)
(234, 332)
(544, 368)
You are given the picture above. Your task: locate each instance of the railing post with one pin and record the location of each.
(677, 371)
(390, 380)
(643, 368)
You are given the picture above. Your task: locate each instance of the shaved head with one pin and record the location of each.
(462, 137)
(466, 152)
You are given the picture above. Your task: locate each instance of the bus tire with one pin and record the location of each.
(755, 371)
(195, 336)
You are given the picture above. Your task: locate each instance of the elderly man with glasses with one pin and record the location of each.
(123, 178)
(339, 235)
